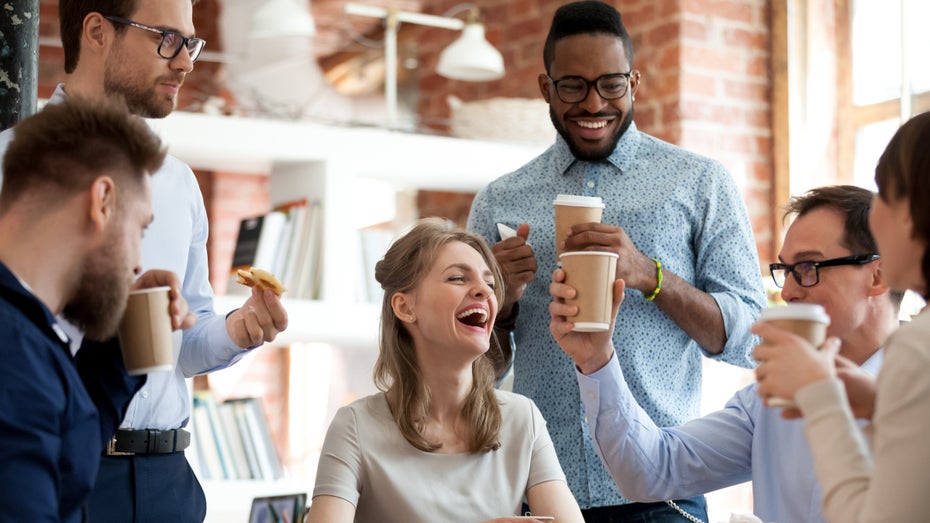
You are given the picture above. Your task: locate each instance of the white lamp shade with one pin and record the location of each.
(471, 58)
(279, 18)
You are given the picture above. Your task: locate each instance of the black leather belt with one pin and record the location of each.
(127, 442)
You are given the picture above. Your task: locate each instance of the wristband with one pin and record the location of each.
(658, 288)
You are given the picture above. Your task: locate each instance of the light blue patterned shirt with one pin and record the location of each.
(679, 207)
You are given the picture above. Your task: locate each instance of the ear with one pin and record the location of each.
(543, 81)
(102, 202)
(634, 83)
(878, 286)
(97, 33)
(402, 303)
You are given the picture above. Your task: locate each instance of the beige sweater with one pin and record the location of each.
(888, 480)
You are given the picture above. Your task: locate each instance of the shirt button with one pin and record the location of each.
(590, 185)
(145, 394)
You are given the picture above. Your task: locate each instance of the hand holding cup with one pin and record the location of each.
(788, 355)
(590, 351)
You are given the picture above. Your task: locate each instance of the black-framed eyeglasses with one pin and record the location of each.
(807, 273)
(171, 41)
(574, 89)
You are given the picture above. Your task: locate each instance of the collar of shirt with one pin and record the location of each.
(621, 157)
(14, 290)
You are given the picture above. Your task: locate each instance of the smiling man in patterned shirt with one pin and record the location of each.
(667, 211)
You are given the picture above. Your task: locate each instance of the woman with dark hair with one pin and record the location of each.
(439, 443)
(886, 477)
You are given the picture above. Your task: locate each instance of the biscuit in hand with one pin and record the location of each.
(260, 277)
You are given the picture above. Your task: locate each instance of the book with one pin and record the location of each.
(309, 266)
(220, 438)
(242, 426)
(207, 450)
(258, 241)
(236, 446)
(292, 239)
(256, 437)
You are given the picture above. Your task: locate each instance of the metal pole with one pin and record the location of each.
(19, 60)
(390, 68)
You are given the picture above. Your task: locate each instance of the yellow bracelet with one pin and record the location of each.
(658, 288)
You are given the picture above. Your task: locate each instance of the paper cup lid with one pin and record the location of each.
(796, 311)
(162, 288)
(589, 253)
(578, 201)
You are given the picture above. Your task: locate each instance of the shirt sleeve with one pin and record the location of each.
(545, 463)
(31, 404)
(649, 463)
(727, 266)
(481, 216)
(338, 471)
(890, 482)
(206, 346)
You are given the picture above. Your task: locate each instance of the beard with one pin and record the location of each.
(595, 155)
(98, 305)
(140, 98)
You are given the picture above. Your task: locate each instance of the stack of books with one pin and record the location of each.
(233, 439)
(286, 242)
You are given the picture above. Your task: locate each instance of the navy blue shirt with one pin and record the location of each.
(51, 431)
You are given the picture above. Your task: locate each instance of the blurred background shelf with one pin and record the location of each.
(346, 324)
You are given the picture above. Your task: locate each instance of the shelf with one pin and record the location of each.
(253, 145)
(345, 324)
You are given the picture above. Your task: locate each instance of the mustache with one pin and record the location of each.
(599, 114)
(177, 78)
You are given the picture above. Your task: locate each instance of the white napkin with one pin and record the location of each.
(505, 232)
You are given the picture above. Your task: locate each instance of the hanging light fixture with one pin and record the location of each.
(471, 58)
(280, 18)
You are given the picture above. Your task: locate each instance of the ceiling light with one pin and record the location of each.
(471, 58)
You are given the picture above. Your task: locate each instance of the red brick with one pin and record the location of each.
(664, 34)
(735, 10)
(746, 39)
(699, 84)
(695, 31)
(757, 90)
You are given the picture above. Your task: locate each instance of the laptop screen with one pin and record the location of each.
(286, 508)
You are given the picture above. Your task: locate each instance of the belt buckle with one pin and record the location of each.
(111, 449)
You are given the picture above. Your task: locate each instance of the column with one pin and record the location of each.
(19, 60)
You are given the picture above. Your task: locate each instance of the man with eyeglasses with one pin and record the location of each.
(830, 253)
(141, 51)
(681, 230)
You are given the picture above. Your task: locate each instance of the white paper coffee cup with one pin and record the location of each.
(592, 274)
(572, 210)
(807, 320)
(145, 332)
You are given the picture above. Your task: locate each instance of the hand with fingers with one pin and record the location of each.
(518, 265)
(633, 267)
(589, 350)
(260, 319)
(181, 317)
(788, 362)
